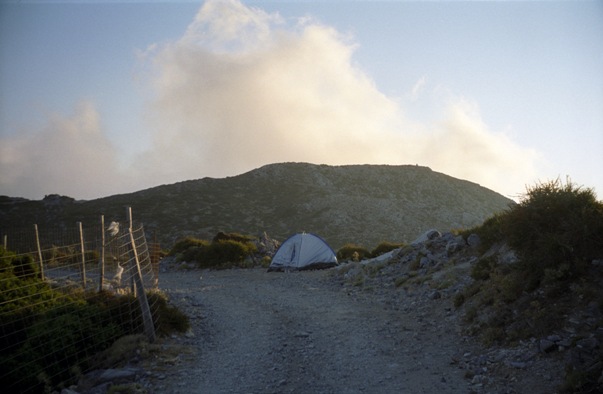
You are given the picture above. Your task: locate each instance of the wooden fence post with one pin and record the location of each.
(147, 317)
(41, 262)
(155, 250)
(83, 251)
(102, 256)
(5, 241)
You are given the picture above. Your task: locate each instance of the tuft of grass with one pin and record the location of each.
(401, 280)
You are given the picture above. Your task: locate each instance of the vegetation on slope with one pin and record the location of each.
(50, 336)
(224, 251)
(361, 203)
(556, 282)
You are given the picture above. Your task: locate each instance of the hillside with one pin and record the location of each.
(363, 204)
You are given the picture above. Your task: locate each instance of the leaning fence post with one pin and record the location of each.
(102, 256)
(147, 317)
(83, 265)
(41, 262)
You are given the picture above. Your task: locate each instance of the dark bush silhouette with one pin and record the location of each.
(385, 247)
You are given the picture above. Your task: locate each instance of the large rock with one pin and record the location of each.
(426, 236)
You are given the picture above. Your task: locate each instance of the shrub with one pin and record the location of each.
(68, 337)
(555, 229)
(385, 247)
(347, 251)
(21, 266)
(186, 243)
(166, 318)
(483, 268)
(221, 236)
(556, 232)
(556, 224)
(49, 334)
(226, 250)
(489, 232)
(225, 253)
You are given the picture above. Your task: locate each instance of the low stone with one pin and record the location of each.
(517, 364)
(473, 240)
(424, 262)
(546, 346)
(453, 247)
(435, 295)
(302, 334)
(588, 343)
(100, 389)
(478, 380)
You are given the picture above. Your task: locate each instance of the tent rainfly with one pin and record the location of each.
(303, 251)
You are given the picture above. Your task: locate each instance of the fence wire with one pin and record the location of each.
(47, 334)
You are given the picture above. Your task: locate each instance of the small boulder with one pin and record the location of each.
(473, 240)
(546, 345)
(453, 247)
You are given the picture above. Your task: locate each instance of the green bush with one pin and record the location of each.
(226, 250)
(49, 334)
(221, 236)
(490, 232)
(21, 266)
(483, 268)
(556, 232)
(166, 318)
(186, 243)
(225, 253)
(347, 252)
(385, 247)
(556, 224)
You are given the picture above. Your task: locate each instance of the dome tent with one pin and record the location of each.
(303, 251)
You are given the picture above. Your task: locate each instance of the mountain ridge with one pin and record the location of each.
(363, 204)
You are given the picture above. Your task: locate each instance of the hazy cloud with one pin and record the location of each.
(463, 146)
(70, 156)
(243, 88)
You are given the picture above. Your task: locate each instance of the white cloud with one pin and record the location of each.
(292, 94)
(243, 88)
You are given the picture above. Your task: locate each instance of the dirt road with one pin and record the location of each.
(258, 332)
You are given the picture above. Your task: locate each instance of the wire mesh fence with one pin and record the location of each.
(66, 294)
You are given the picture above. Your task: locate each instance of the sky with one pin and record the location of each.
(108, 97)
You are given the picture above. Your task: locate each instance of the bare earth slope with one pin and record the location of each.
(258, 332)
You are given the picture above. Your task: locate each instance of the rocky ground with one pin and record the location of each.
(364, 327)
(305, 332)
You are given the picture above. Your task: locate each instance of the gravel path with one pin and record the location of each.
(259, 332)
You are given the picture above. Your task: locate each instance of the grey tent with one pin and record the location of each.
(303, 251)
